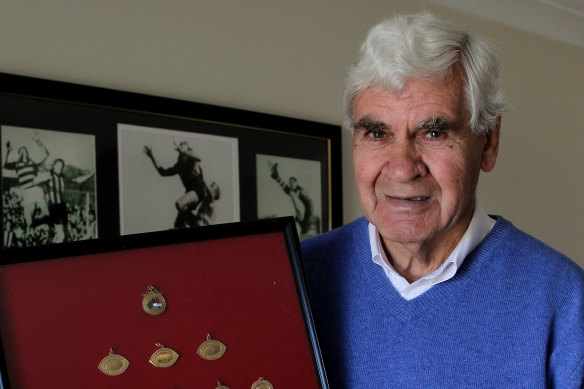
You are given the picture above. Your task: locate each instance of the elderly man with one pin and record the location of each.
(427, 290)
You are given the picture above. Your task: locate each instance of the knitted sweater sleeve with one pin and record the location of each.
(566, 362)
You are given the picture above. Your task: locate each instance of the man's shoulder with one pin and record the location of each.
(522, 247)
(331, 255)
(192, 155)
(336, 239)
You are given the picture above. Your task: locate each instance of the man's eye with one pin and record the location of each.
(375, 134)
(435, 134)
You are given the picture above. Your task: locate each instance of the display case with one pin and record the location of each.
(219, 306)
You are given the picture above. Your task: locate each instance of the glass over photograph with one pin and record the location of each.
(290, 187)
(175, 179)
(48, 187)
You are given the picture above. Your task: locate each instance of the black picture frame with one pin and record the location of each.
(46, 105)
(115, 315)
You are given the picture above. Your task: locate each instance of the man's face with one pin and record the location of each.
(23, 154)
(215, 193)
(58, 166)
(417, 163)
(183, 146)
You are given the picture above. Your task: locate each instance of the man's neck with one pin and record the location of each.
(418, 259)
(414, 262)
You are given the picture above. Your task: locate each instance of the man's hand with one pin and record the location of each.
(274, 170)
(36, 139)
(148, 151)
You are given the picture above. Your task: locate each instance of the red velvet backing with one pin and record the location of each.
(59, 318)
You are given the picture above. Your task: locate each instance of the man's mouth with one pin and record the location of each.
(417, 198)
(408, 198)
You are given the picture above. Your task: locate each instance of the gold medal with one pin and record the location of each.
(164, 357)
(113, 364)
(152, 302)
(261, 383)
(220, 386)
(211, 349)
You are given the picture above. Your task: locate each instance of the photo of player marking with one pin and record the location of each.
(175, 179)
(290, 187)
(48, 187)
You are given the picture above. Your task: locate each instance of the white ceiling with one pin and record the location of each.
(561, 20)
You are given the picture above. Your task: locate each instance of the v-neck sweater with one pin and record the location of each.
(512, 316)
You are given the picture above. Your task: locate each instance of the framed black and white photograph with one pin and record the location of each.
(175, 179)
(290, 187)
(119, 153)
(48, 187)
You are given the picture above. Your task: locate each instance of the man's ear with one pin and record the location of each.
(491, 148)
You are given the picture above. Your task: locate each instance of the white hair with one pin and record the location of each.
(422, 46)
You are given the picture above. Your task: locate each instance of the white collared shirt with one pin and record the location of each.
(479, 227)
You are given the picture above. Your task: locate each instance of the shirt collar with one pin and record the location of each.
(479, 227)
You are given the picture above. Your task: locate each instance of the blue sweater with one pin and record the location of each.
(511, 317)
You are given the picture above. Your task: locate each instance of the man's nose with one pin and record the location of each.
(403, 161)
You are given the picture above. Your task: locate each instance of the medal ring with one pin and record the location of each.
(153, 303)
(221, 386)
(211, 349)
(113, 364)
(261, 383)
(164, 357)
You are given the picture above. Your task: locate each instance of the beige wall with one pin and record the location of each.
(289, 58)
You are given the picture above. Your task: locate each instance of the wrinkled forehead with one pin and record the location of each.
(418, 100)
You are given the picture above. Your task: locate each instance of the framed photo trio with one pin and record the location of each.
(84, 163)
